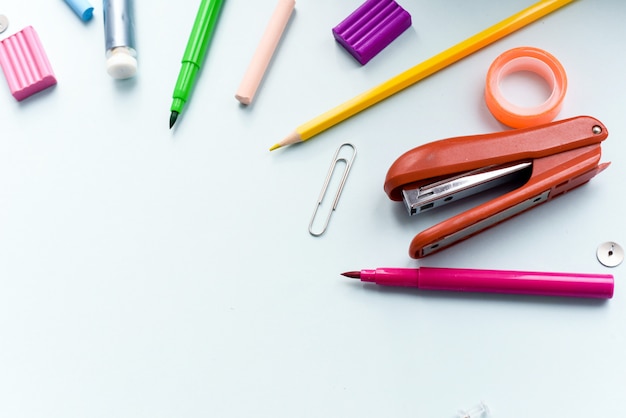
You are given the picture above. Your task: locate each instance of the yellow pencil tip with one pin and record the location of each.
(275, 146)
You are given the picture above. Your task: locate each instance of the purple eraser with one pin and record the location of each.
(371, 27)
(25, 64)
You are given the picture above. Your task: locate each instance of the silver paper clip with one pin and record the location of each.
(333, 164)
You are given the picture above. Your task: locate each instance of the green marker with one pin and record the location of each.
(198, 43)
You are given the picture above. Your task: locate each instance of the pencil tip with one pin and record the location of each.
(173, 117)
(290, 139)
(352, 274)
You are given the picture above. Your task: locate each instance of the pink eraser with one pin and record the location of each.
(371, 27)
(25, 64)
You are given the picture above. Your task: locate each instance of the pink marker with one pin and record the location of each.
(25, 64)
(492, 281)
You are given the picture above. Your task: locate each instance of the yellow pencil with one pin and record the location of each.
(420, 71)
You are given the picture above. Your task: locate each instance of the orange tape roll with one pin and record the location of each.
(525, 59)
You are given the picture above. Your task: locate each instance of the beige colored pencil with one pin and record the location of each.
(264, 52)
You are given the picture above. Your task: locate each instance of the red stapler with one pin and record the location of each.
(547, 161)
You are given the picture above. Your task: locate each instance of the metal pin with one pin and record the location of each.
(4, 23)
(610, 254)
(333, 164)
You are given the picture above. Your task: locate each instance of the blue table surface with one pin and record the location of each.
(149, 272)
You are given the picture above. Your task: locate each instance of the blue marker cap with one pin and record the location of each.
(82, 8)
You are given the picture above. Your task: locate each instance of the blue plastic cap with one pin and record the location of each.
(82, 8)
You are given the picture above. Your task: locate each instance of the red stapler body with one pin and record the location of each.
(546, 161)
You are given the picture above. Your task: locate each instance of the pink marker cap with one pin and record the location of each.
(25, 64)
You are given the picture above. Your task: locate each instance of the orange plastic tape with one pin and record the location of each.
(525, 59)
